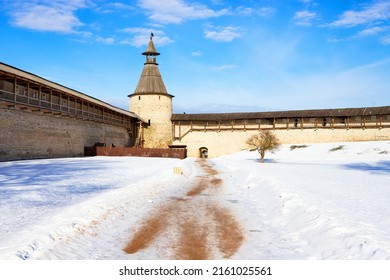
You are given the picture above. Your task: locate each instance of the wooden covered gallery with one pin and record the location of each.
(27, 91)
(348, 118)
(40, 118)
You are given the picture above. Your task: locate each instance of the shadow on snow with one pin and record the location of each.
(381, 167)
(52, 181)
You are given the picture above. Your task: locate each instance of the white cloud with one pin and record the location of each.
(177, 11)
(371, 31)
(222, 34)
(304, 18)
(114, 7)
(262, 12)
(142, 35)
(197, 53)
(122, 6)
(224, 67)
(385, 40)
(45, 15)
(107, 41)
(266, 11)
(376, 12)
(371, 18)
(245, 11)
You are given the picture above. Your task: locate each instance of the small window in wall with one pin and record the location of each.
(159, 97)
(139, 97)
(296, 122)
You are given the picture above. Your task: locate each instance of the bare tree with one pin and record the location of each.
(266, 140)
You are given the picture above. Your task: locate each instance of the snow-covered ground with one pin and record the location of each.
(319, 201)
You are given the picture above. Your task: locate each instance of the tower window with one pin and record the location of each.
(139, 97)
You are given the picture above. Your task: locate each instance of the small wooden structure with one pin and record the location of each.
(180, 153)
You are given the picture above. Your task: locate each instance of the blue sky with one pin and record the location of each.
(216, 56)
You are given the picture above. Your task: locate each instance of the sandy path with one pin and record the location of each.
(192, 227)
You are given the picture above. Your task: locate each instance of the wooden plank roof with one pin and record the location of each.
(151, 82)
(344, 112)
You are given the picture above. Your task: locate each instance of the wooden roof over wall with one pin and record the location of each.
(24, 75)
(345, 112)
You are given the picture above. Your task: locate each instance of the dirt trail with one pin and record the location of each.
(197, 227)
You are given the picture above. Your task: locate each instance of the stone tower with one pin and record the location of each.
(152, 102)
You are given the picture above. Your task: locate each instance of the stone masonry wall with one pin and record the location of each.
(157, 109)
(225, 142)
(25, 134)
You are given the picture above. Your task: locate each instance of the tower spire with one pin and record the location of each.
(151, 52)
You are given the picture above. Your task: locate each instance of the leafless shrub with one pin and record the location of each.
(266, 140)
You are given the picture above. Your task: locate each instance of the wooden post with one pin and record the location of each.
(28, 96)
(301, 122)
(274, 123)
(51, 99)
(39, 95)
(288, 123)
(67, 103)
(15, 82)
(60, 101)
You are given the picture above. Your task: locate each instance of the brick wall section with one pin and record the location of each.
(135, 152)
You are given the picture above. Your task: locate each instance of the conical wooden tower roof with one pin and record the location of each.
(151, 81)
(151, 50)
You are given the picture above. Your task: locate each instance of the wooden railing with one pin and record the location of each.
(182, 128)
(103, 116)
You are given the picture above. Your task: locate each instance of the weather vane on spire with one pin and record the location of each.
(151, 35)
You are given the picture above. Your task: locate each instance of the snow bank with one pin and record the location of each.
(48, 202)
(322, 201)
(313, 201)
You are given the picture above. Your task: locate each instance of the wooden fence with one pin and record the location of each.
(135, 152)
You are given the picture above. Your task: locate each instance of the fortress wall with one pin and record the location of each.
(26, 134)
(228, 141)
